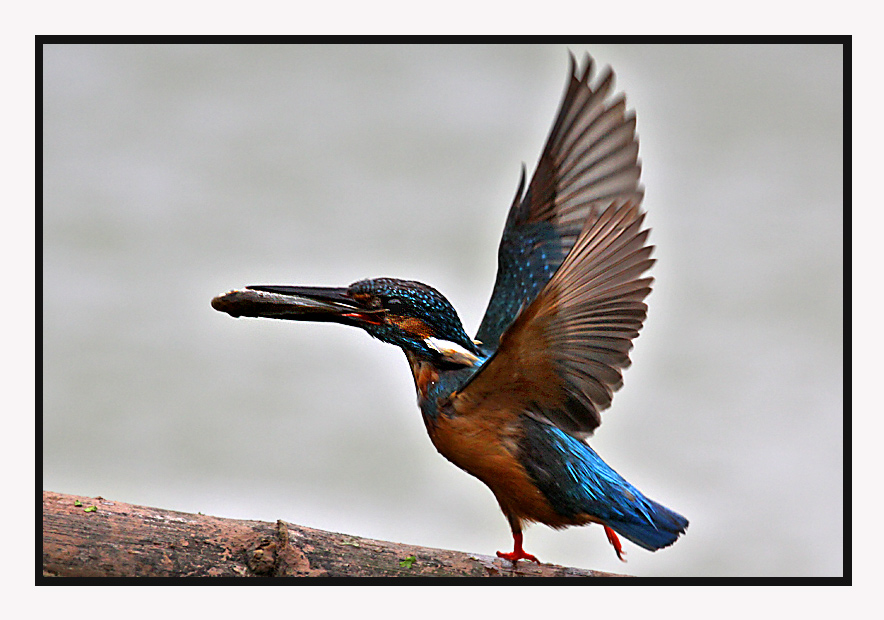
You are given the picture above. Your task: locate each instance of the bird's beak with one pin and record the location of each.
(297, 303)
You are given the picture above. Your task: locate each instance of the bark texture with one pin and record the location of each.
(124, 540)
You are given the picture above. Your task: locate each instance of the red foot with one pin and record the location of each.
(615, 542)
(517, 553)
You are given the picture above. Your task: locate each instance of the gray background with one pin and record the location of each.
(174, 173)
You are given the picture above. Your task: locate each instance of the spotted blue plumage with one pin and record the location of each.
(419, 301)
(528, 256)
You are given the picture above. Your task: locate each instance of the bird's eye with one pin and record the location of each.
(394, 304)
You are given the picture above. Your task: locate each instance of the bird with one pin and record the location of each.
(515, 405)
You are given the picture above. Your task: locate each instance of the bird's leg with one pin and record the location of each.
(615, 542)
(517, 553)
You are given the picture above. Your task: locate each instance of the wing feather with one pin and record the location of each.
(589, 160)
(562, 358)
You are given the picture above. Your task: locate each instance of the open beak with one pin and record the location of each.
(297, 303)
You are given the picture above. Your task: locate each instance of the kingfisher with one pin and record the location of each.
(514, 406)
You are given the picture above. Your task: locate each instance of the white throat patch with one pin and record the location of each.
(451, 351)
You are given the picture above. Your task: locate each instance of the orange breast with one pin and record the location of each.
(483, 440)
(486, 446)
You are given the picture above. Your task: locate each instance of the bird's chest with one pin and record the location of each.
(483, 439)
(483, 443)
(484, 446)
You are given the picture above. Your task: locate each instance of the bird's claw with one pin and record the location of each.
(516, 555)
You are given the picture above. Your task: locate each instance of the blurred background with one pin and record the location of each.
(174, 173)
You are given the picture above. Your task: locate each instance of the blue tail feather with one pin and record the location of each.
(655, 529)
(575, 480)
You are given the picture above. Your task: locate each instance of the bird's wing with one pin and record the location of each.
(590, 158)
(560, 361)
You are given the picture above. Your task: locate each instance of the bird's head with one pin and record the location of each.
(408, 314)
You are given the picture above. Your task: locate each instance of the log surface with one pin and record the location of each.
(125, 540)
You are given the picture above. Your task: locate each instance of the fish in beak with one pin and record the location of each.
(298, 303)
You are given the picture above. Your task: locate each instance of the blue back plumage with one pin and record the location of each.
(575, 480)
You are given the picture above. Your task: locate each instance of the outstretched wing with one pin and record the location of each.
(561, 359)
(590, 159)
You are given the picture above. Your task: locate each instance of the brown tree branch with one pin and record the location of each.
(124, 540)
